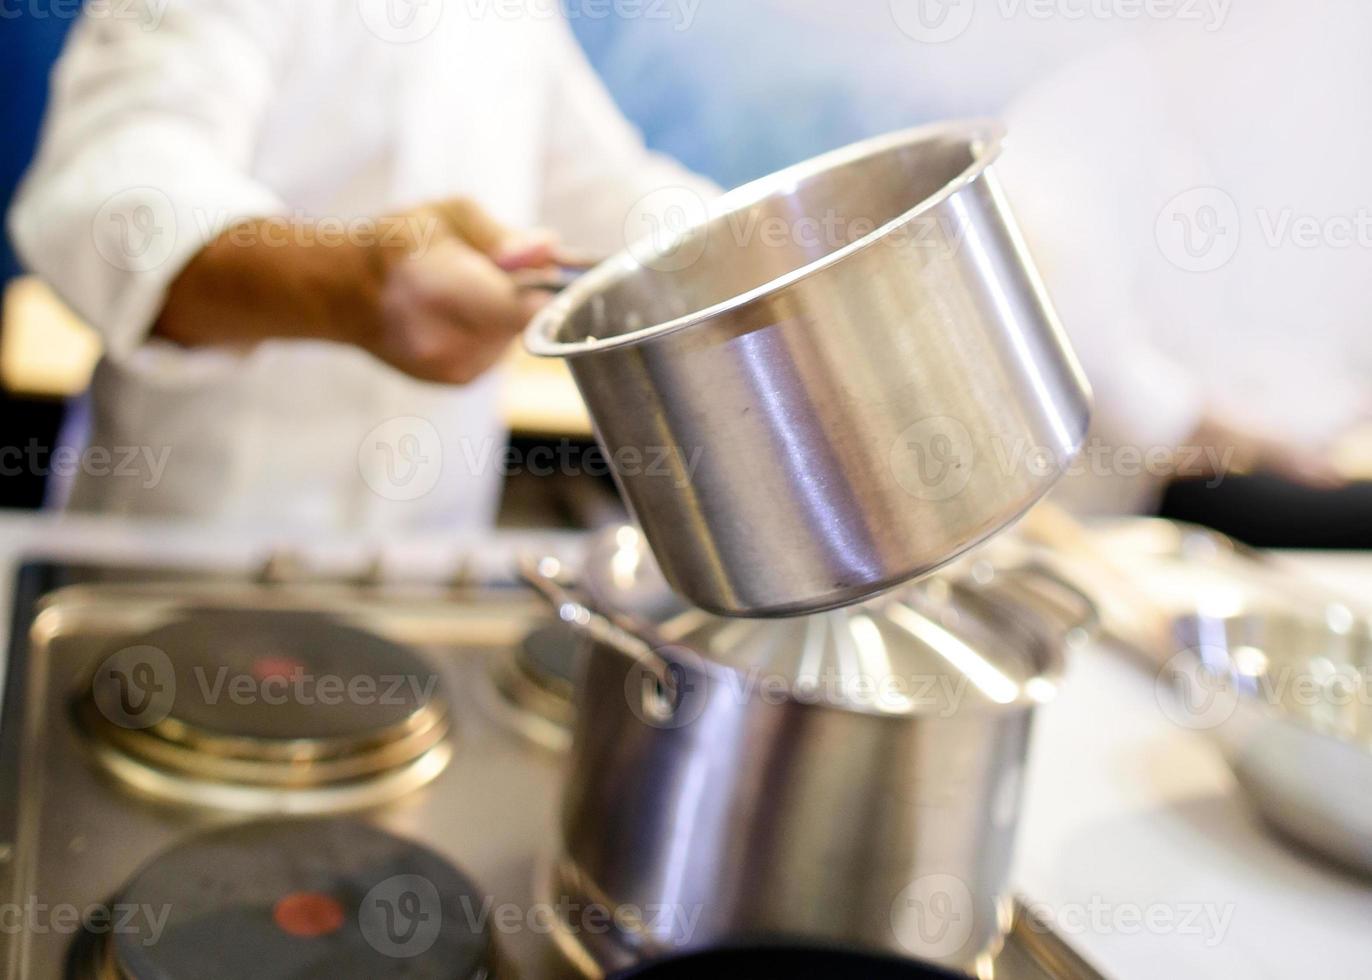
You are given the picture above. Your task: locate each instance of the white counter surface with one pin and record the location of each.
(1134, 839)
(1147, 856)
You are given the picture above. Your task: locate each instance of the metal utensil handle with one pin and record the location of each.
(1057, 529)
(599, 626)
(567, 269)
(1082, 611)
(546, 280)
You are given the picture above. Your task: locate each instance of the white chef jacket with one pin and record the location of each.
(1162, 184)
(170, 119)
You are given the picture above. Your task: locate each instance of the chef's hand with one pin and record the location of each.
(1243, 450)
(448, 306)
(430, 292)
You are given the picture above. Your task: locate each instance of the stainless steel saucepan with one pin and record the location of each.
(849, 777)
(844, 376)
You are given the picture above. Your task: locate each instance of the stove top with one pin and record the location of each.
(205, 777)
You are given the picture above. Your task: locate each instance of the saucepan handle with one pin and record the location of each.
(1041, 587)
(569, 266)
(599, 626)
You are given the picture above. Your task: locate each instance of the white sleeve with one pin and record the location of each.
(145, 153)
(596, 167)
(1079, 181)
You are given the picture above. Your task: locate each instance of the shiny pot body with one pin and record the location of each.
(845, 377)
(758, 819)
(725, 800)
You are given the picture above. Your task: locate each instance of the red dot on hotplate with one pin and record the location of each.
(308, 915)
(266, 668)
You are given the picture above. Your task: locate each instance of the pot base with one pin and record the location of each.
(597, 938)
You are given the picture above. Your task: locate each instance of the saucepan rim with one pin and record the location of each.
(1032, 634)
(985, 138)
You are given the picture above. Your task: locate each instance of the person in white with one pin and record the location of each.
(289, 224)
(1193, 198)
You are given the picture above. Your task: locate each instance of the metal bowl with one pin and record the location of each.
(1286, 695)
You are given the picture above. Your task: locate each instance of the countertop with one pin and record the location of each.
(1135, 842)
(1148, 857)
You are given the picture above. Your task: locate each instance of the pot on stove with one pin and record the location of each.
(850, 777)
